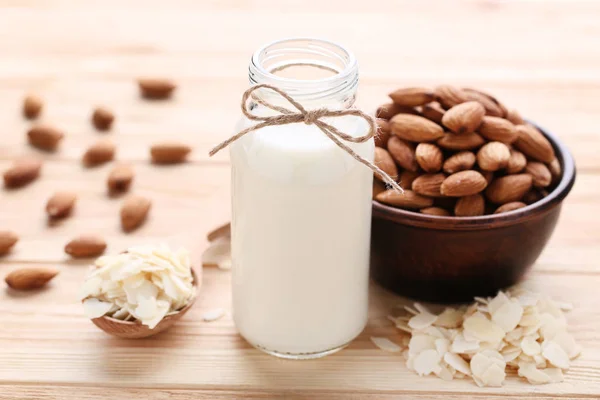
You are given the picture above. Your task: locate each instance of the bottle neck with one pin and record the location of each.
(316, 73)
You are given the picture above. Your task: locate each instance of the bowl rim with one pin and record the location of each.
(554, 198)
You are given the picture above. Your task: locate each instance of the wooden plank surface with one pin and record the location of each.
(540, 57)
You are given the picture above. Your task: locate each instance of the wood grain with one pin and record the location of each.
(539, 57)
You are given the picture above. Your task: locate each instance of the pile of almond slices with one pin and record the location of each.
(517, 329)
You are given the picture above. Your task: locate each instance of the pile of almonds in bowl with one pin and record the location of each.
(460, 152)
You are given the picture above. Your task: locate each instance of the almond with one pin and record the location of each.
(385, 162)
(498, 129)
(534, 195)
(514, 205)
(45, 137)
(102, 118)
(407, 178)
(32, 106)
(534, 144)
(403, 153)
(514, 117)
(60, 204)
(22, 172)
(493, 156)
(30, 278)
(470, 206)
(509, 188)
(383, 133)
(412, 96)
(429, 157)
(459, 162)
(440, 212)
(540, 173)
(120, 178)
(407, 199)
(134, 212)
(449, 96)
(156, 89)
(101, 152)
(7, 241)
(85, 246)
(492, 106)
(388, 110)
(464, 117)
(467, 141)
(433, 111)
(516, 162)
(169, 152)
(555, 170)
(428, 184)
(378, 187)
(415, 128)
(463, 183)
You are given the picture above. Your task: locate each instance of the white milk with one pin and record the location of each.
(300, 238)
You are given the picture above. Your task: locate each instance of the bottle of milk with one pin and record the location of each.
(301, 209)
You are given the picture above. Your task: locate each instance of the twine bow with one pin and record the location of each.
(309, 117)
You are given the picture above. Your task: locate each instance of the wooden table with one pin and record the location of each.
(540, 57)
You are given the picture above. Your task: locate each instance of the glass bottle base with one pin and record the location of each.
(300, 356)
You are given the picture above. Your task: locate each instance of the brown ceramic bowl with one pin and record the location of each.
(452, 259)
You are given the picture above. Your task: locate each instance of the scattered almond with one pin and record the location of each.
(440, 212)
(498, 129)
(464, 117)
(60, 204)
(514, 117)
(30, 278)
(492, 106)
(169, 152)
(459, 162)
(134, 212)
(428, 184)
(388, 110)
(415, 128)
(32, 106)
(383, 133)
(470, 206)
(403, 153)
(467, 141)
(99, 153)
(156, 89)
(45, 137)
(120, 178)
(406, 179)
(102, 118)
(22, 172)
(7, 241)
(449, 96)
(85, 246)
(408, 199)
(516, 162)
(493, 156)
(555, 170)
(433, 111)
(411, 96)
(540, 173)
(463, 183)
(514, 205)
(429, 157)
(534, 144)
(509, 188)
(533, 195)
(385, 162)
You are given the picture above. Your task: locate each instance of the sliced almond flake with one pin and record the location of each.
(401, 325)
(449, 318)
(555, 374)
(461, 345)
(550, 326)
(120, 314)
(483, 329)
(442, 346)
(459, 375)
(497, 302)
(495, 357)
(95, 308)
(530, 330)
(482, 309)
(530, 346)
(532, 374)
(479, 364)
(481, 299)
(530, 318)
(555, 354)
(445, 373)
(458, 363)
(493, 376)
(427, 362)
(540, 361)
(385, 344)
(511, 354)
(213, 315)
(419, 343)
(478, 381)
(508, 315)
(435, 332)
(421, 321)
(421, 308)
(411, 310)
(568, 344)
